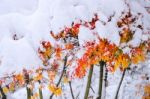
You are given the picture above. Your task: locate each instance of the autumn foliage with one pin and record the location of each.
(95, 51)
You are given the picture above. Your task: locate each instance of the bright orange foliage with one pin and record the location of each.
(96, 52)
(109, 53)
(19, 78)
(122, 61)
(146, 92)
(69, 46)
(138, 54)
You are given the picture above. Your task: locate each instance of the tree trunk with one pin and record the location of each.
(88, 82)
(102, 63)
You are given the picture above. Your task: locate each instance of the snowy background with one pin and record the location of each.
(25, 23)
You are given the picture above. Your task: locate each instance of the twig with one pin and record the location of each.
(92, 89)
(120, 83)
(71, 90)
(63, 71)
(77, 95)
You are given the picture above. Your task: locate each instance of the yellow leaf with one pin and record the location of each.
(116, 65)
(47, 53)
(35, 95)
(126, 35)
(147, 89)
(56, 90)
(125, 61)
(5, 89)
(51, 88)
(38, 77)
(137, 58)
(32, 97)
(12, 86)
(65, 80)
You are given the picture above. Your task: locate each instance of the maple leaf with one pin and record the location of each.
(51, 75)
(126, 35)
(137, 55)
(137, 58)
(46, 44)
(69, 46)
(125, 61)
(80, 71)
(58, 52)
(12, 86)
(65, 79)
(75, 30)
(19, 78)
(5, 90)
(56, 90)
(38, 77)
(120, 24)
(147, 89)
(122, 61)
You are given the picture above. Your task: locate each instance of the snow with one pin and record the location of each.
(17, 55)
(32, 20)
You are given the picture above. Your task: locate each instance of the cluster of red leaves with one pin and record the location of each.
(46, 53)
(126, 34)
(74, 30)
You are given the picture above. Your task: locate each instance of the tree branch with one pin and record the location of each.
(63, 71)
(120, 83)
(71, 90)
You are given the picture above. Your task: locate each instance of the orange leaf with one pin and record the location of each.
(69, 46)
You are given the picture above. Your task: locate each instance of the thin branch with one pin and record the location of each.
(63, 71)
(120, 83)
(71, 90)
(77, 95)
(92, 89)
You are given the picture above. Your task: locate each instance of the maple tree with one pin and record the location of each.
(100, 52)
